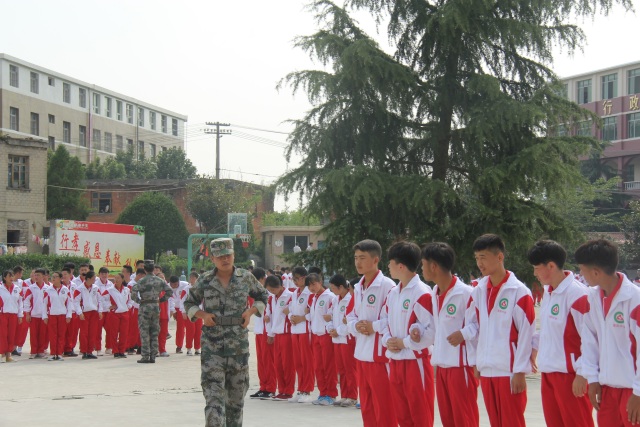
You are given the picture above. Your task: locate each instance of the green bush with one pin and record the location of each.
(32, 261)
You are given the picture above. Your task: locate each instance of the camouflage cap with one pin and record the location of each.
(222, 246)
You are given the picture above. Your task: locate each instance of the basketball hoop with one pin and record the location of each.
(245, 239)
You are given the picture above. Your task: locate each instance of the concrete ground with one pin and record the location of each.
(110, 392)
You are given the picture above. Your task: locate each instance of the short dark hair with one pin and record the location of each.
(18, 269)
(491, 242)
(128, 268)
(194, 274)
(103, 270)
(69, 265)
(312, 277)
(158, 266)
(259, 273)
(406, 253)
(372, 247)
(545, 251)
(40, 270)
(272, 282)
(6, 273)
(140, 271)
(84, 264)
(140, 261)
(440, 253)
(353, 281)
(149, 267)
(300, 271)
(339, 281)
(598, 253)
(316, 270)
(91, 267)
(174, 279)
(67, 269)
(90, 274)
(269, 270)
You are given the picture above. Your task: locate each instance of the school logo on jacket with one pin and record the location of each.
(451, 309)
(371, 299)
(503, 303)
(321, 303)
(555, 309)
(281, 303)
(618, 317)
(342, 308)
(405, 304)
(301, 300)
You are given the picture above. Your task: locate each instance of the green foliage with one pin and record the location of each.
(124, 165)
(630, 249)
(32, 261)
(110, 169)
(298, 217)
(445, 138)
(164, 227)
(173, 164)
(64, 175)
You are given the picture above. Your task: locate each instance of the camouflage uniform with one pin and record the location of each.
(146, 293)
(225, 348)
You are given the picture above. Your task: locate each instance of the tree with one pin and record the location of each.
(630, 249)
(164, 227)
(110, 169)
(173, 164)
(446, 137)
(289, 218)
(65, 175)
(210, 200)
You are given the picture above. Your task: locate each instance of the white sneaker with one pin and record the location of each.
(318, 401)
(100, 353)
(164, 354)
(327, 401)
(347, 403)
(108, 352)
(52, 358)
(189, 353)
(305, 398)
(337, 402)
(295, 398)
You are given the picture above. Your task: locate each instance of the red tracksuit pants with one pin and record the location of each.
(504, 408)
(104, 324)
(413, 392)
(613, 407)
(346, 368)
(57, 324)
(180, 328)
(134, 329)
(73, 328)
(266, 367)
(119, 327)
(22, 332)
(38, 335)
(194, 332)
(282, 357)
(8, 332)
(324, 365)
(375, 395)
(457, 392)
(162, 336)
(561, 408)
(89, 331)
(303, 361)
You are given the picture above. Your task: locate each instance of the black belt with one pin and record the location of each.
(228, 321)
(149, 302)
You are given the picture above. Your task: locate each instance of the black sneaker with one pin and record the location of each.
(138, 351)
(152, 360)
(71, 354)
(268, 396)
(257, 394)
(178, 350)
(16, 353)
(85, 356)
(144, 360)
(169, 336)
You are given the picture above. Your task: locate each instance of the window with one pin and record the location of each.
(584, 128)
(52, 81)
(108, 108)
(66, 93)
(152, 147)
(101, 202)
(140, 150)
(609, 86)
(630, 172)
(52, 143)
(119, 143)
(66, 132)
(14, 119)
(108, 142)
(562, 130)
(35, 87)
(174, 127)
(163, 122)
(140, 117)
(35, 124)
(119, 110)
(164, 148)
(291, 241)
(13, 75)
(129, 144)
(18, 171)
(130, 114)
(52, 119)
(97, 139)
(82, 136)
(584, 92)
(82, 95)
(96, 103)
(634, 81)
(152, 120)
(609, 129)
(634, 125)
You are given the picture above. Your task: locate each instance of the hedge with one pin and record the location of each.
(32, 261)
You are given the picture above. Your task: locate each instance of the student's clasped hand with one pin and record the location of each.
(633, 409)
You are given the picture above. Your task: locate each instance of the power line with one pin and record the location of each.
(259, 129)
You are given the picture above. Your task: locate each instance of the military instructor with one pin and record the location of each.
(223, 293)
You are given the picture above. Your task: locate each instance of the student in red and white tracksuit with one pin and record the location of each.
(86, 299)
(411, 373)
(10, 314)
(34, 310)
(501, 316)
(104, 284)
(610, 335)
(564, 390)
(344, 344)
(73, 327)
(193, 330)
(325, 368)
(264, 351)
(456, 385)
(57, 314)
(178, 286)
(301, 337)
(279, 336)
(134, 328)
(118, 316)
(365, 325)
(23, 327)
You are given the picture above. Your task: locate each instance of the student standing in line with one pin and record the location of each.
(57, 314)
(10, 315)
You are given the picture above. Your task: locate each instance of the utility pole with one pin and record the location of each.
(219, 134)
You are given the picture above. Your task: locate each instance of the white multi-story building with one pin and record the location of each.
(90, 121)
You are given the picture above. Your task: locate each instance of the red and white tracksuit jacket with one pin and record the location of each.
(504, 332)
(133, 303)
(561, 321)
(103, 301)
(278, 322)
(119, 298)
(58, 302)
(34, 300)
(11, 300)
(368, 303)
(300, 301)
(406, 305)
(320, 306)
(610, 335)
(340, 308)
(86, 299)
(177, 296)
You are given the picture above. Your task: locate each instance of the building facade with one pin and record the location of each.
(90, 121)
(23, 194)
(280, 240)
(613, 94)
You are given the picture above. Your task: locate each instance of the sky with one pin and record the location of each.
(221, 61)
